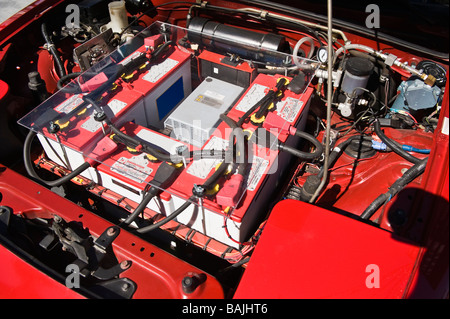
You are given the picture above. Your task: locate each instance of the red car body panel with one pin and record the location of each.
(21, 280)
(157, 273)
(326, 256)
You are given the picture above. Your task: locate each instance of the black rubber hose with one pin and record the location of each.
(395, 147)
(262, 110)
(254, 107)
(210, 182)
(133, 143)
(399, 184)
(338, 150)
(298, 153)
(142, 205)
(62, 81)
(313, 181)
(318, 146)
(29, 166)
(89, 100)
(160, 50)
(240, 141)
(164, 221)
(164, 176)
(53, 51)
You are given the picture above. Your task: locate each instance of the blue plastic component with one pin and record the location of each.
(415, 95)
(379, 146)
(169, 99)
(409, 148)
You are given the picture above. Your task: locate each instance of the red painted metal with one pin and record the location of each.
(431, 213)
(4, 89)
(355, 183)
(157, 272)
(309, 252)
(25, 17)
(21, 280)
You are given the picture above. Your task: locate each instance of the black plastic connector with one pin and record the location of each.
(165, 175)
(390, 122)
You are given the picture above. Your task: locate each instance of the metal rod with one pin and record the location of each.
(329, 98)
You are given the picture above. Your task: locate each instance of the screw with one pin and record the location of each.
(100, 116)
(125, 264)
(198, 190)
(111, 231)
(53, 128)
(190, 283)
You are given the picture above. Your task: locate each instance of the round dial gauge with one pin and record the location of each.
(322, 54)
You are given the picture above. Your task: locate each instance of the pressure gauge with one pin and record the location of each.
(322, 54)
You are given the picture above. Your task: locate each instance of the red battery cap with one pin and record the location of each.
(228, 196)
(275, 121)
(94, 83)
(104, 147)
(153, 41)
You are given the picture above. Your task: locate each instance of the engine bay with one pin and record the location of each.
(186, 123)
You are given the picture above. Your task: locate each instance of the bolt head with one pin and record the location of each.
(111, 231)
(125, 264)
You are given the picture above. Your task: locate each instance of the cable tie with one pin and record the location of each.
(206, 245)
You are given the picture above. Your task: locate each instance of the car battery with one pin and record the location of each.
(164, 83)
(291, 107)
(128, 172)
(225, 68)
(231, 225)
(78, 135)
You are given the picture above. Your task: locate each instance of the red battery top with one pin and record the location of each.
(226, 68)
(289, 106)
(81, 130)
(145, 82)
(133, 167)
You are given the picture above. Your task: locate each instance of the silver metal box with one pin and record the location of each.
(195, 119)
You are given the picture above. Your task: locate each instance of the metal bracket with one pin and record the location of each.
(116, 288)
(90, 254)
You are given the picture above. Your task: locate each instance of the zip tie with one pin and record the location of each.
(228, 250)
(188, 233)
(174, 232)
(207, 243)
(189, 240)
